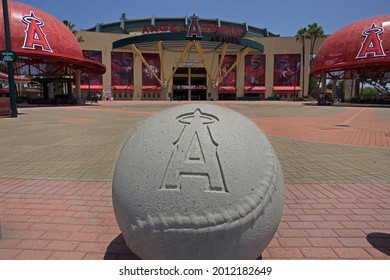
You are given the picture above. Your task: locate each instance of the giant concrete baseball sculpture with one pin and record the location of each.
(198, 181)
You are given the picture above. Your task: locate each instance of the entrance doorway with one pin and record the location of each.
(179, 91)
(190, 84)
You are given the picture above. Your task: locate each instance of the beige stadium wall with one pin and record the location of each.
(97, 41)
(286, 45)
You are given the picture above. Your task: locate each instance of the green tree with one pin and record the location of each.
(71, 28)
(301, 35)
(382, 86)
(314, 32)
(369, 91)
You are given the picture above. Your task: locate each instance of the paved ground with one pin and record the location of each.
(56, 167)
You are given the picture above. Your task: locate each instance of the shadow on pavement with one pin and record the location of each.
(118, 250)
(380, 241)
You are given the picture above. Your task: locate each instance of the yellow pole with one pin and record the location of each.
(161, 55)
(202, 58)
(137, 52)
(225, 46)
(243, 54)
(185, 51)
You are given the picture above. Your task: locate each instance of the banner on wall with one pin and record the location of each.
(122, 69)
(287, 70)
(254, 71)
(230, 79)
(148, 79)
(91, 79)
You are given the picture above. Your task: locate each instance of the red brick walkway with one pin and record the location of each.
(345, 215)
(42, 219)
(356, 126)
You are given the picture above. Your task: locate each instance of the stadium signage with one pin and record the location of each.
(193, 87)
(189, 62)
(34, 35)
(372, 44)
(222, 30)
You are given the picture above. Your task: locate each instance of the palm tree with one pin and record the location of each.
(301, 36)
(71, 28)
(314, 31)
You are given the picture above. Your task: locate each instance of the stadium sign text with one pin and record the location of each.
(222, 29)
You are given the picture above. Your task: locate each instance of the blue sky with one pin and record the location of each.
(282, 17)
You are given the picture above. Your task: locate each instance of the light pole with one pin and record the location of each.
(10, 62)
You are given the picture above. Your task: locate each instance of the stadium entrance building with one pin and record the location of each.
(191, 58)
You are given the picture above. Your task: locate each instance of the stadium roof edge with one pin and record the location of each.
(131, 25)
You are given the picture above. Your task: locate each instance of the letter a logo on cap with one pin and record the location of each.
(372, 43)
(34, 35)
(194, 28)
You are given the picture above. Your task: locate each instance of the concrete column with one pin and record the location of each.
(240, 81)
(50, 90)
(323, 83)
(334, 82)
(137, 78)
(350, 88)
(269, 73)
(78, 88)
(164, 93)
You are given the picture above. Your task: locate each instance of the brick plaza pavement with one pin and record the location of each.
(57, 163)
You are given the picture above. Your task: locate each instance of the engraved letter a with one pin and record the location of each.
(195, 154)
